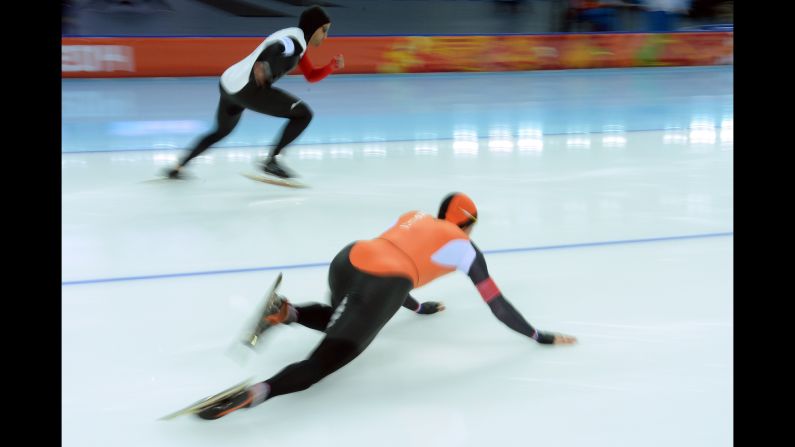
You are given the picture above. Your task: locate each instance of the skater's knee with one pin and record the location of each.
(302, 112)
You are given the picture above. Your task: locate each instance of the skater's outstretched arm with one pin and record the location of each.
(502, 308)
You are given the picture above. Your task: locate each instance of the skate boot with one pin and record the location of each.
(175, 174)
(232, 403)
(275, 310)
(272, 167)
(278, 310)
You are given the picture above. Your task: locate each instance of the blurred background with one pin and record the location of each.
(393, 17)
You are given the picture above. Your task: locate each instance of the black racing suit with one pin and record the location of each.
(267, 100)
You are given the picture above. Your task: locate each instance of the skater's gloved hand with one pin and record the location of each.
(430, 307)
(339, 62)
(551, 338)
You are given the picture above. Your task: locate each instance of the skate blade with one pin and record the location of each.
(252, 334)
(208, 401)
(166, 180)
(290, 183)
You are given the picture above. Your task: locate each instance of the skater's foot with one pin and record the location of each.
(175, 174)
(277, 311)
(232, 403)
(280, 312)
(272, 167)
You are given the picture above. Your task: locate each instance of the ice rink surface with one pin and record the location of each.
(605, 204)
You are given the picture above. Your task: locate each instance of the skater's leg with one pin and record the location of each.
(226, 118)
(356, 321)
(330, 355)
(276, 102)
(314, 316)
(300, 117)
(341, 276)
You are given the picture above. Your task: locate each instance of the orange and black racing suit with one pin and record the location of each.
(371, 279)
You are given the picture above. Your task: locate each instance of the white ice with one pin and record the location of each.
(653, 366)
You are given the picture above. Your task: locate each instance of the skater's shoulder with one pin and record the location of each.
(288, 37)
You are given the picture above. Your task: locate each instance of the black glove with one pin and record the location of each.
(430, 307)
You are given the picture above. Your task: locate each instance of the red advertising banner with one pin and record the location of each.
(88, 57)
